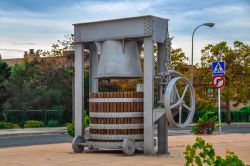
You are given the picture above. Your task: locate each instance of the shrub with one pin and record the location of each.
(71, 128)
(33, 124)
(86, 121)
(7, 125)
(202, 153)
(247, 108)
(242, 115)
(206, 124)
(200, 113)
(231, 159)
(53, 123)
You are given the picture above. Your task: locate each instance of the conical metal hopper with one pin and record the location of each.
(119, 59)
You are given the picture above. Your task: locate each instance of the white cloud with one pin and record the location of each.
(185, 42)
(115, 7)
(44, 28)
(109, 10)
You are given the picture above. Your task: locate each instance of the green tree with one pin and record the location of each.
(5, 72)
(44, 83)
(179, 61)
(68, 42)
(237, 76)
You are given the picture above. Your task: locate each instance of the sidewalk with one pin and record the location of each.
(32, 131)
(62, 155)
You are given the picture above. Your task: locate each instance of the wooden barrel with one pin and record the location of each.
(115, 116)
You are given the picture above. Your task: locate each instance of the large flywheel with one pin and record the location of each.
(179, 102)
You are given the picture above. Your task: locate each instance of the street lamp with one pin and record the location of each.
(192, 61)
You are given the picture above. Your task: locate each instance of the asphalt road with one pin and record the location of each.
(239, 129)
(16, 141)
(225, 129)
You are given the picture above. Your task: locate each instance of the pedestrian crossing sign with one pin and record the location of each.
(218, 68)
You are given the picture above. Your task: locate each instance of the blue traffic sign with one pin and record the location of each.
(218, 68)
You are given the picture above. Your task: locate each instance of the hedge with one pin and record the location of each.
(242, 115)
(33, 124)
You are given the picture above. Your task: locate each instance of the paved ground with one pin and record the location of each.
(61, 154)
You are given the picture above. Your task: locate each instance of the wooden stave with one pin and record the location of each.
(116, 107)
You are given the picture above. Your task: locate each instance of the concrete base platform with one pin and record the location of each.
(61, 154)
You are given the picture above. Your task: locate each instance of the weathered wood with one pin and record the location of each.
(109, 107)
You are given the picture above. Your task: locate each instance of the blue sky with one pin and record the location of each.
(37, 24)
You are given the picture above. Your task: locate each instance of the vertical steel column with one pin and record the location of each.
(93, 85)
(148, 96)
(73, 98)
(161, 66)
(162, 135)
(79, 91)
(161, 59)
(161, 124)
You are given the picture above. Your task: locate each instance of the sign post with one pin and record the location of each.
(218, 69)
(219, 82)
(219, 113)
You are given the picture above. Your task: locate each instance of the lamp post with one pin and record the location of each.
(192, 61)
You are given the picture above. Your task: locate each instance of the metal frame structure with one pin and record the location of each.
(144, 29)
